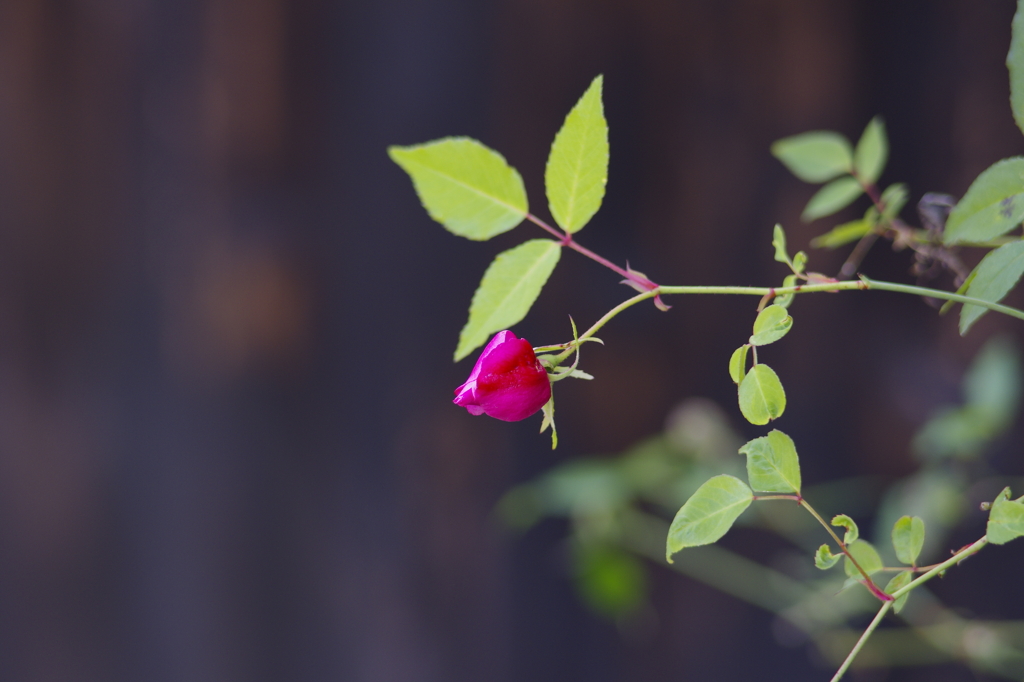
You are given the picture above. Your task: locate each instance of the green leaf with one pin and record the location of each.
(786, 299)
(772, 463)
(771, 324)
(866, 555)
(825, 559)
(901, 579)
(1015, 63)
(738, 363)
(996, 274)
(992, 384)
(816, 156)
(844, 521)
(799, 262)
(611, 581)
(465, 186)
(761, 395)
(894, 198)
(1006, 519)
(908, 538)
(843, 234)
(872, 152)
(577, 169)
(992, 206)
(708, 514)
(833, 197)
(779, 242)
(507, 291)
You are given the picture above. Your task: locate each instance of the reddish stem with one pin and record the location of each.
(565, 239)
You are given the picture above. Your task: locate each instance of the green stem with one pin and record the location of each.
(860, 642)
(939, 568)
(602, 322)
(869, 583)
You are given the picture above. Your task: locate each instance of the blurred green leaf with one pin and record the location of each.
(844, 521)
(761, 395)
(908, 538)
(1005, 519)
(992, 384)
(992, 206)
(825, 559)
(507, 291)
(611, 582)
(786, 299)
(1015, 63)
(771, 324)
(866, 555)
(779, 242)
(901, 579)
(465, 186)
(708, 514)
(843, 234)
(996, 274)
(815, 156)
(894, 198)
(833, 197)
(772, 463)
(738, 363)
(799, 262)
(577, 168)
(872, 152)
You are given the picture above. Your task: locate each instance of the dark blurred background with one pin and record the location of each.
(227, 448)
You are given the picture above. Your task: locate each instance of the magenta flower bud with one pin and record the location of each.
(507, 382)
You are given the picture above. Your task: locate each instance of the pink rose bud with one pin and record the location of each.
(507, 381)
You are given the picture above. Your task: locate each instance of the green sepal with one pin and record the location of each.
(549, 420)
(825, 559)
(708, 514)
(844, 521)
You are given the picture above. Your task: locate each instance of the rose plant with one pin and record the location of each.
(476, 194)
